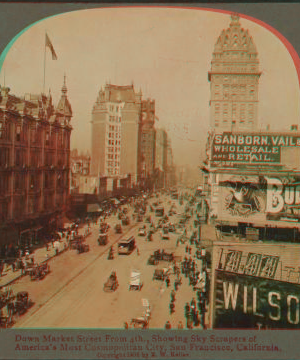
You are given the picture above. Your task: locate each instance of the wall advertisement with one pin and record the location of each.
(228, 149)
(259, 198)
(256, 289)
(244, 301)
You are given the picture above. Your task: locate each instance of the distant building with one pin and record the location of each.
(80, 165)
(147, 138)
(34, 164)
(234, 78)
(161, 157)
(170, 167)
(116, 120)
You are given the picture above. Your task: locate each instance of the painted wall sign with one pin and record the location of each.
(262, 199)
(230, 148)
(244, 301)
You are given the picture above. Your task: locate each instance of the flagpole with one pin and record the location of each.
(44, 66)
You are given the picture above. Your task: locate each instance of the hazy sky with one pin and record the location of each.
(166, 52)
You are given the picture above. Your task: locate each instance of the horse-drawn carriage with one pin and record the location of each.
(103, 239)
(153, 260)
(111, 283)
(125, 220)
(165, 234)
(118, 229)
(73, 243)
(14, 305)
(39, 271)
(82, 248)
(160, 274)
(104, 227)
(139, 322)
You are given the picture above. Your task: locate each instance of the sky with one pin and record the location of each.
(165, 52)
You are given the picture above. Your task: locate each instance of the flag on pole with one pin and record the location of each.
(48, 44)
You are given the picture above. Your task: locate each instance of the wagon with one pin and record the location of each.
(118, 229)
(39, 271)
(76, 241)
(153, 260)
(139, 322)
(125, 221)
(103, 239)
(142, 231)
(165, 235)
(111, 283)
(21, 304)
(83, 248)
(161, 274)
(135, 280)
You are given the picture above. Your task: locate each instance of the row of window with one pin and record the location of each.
(20, 183)
(113, 156)
(234, 79)
(113, 149)
(110, 171)
(114, 142)
(21, 135)
(116, 119)
(114, 128)
(116, 135)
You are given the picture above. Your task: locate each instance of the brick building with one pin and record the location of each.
(34, 164)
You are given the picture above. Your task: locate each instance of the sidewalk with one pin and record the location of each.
(40, 255)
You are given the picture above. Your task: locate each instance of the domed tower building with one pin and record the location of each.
(234, 79)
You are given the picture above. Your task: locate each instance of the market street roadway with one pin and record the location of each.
(75, 298)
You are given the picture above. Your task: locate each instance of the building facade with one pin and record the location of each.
(116, 118)
(161, 157)
(234, 79)
(34, 164)
(148, 139)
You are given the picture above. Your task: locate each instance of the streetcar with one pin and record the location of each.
(126, 246)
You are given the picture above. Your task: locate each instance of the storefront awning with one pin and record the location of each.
(93, 208)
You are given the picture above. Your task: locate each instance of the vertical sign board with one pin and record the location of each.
(248, 296)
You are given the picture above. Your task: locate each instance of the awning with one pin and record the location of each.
(115, 201)
(93, 208)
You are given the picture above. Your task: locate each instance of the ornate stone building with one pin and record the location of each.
(34, 164)
(234, 78)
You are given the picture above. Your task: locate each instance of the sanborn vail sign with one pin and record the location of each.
(250, 148)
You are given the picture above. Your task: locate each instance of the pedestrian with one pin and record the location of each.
(126, 325)
(167, 281)
(168, 325)
(172, 307)
(180, 325)
(138, 251)
(173, 295)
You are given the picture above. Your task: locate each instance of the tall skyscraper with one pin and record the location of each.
(116, 120)
(148, 138)
(234, 79)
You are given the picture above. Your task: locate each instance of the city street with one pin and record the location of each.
(72, 295)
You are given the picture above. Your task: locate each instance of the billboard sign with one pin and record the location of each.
(257, 289)
(261, 198)
(231, 148)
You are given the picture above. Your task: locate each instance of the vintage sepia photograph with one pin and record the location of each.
(149, 174)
